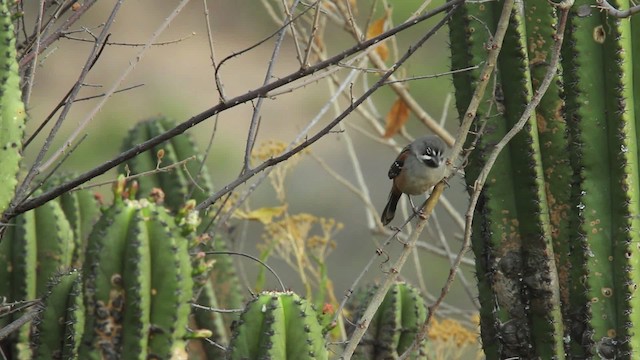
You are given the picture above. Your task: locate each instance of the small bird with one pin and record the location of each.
(419, 167)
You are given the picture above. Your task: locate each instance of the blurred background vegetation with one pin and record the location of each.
(178, 81)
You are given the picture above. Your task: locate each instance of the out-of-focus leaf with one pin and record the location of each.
(265, 215)
(396, 118)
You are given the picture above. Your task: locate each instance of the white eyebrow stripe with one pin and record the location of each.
(426, 157)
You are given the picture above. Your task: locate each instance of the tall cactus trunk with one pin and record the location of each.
(12, 112)
(556, 228)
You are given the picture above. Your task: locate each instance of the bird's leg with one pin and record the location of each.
(417, 211)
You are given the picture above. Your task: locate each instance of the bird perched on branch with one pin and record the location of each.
(417, 169)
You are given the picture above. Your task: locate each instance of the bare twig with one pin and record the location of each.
(30, 79)
(83, 123)
(29, 315)
(58, 33)
(68, 101)
(314, 30)
(604, 4)
(218, 82)
(252, 134)
(135, 176)
(446, 73)
(116, 43)
(179, 129)
(284, 288)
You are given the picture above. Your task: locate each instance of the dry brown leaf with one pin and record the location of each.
(375, 29)
(396, 118)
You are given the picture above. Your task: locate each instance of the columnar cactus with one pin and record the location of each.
(137, 284)
(605, 221)
(556, 226)
(58, 329)
(278, 325)
(395, 324)
(180, 184)
(12, 113)
(82, 209)
(221, 290)
(36, 246)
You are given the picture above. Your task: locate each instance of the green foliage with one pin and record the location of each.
(556, 254)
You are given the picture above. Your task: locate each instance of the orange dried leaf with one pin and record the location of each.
(375, 29)
(396, 118)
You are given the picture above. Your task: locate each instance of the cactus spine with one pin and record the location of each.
(556, 260)
(278, 325)
(12, 113)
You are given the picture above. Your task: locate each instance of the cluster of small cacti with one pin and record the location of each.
(395, 324)
(556, 227)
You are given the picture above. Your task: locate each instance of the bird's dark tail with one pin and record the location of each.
(390, 210)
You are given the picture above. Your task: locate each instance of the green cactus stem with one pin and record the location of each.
(82, 209)
(603, 129)
(12, 112)
(37, 246)
(137, 283)
(190, 181)
(394, 326)
(277, 325)
(58, 329)
(512, 235)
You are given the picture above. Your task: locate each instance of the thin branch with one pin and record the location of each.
(284, 288)
(604, 4)
(115, 43)
(135, 176)
(212, 52)
(314, 30)
(68, 101)
(222, 311)
(236, 54)
(58, 33)
(180, 128)
(252, 133)
(133, 62)
(28, 316)
(30, 79)
(433, 76)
